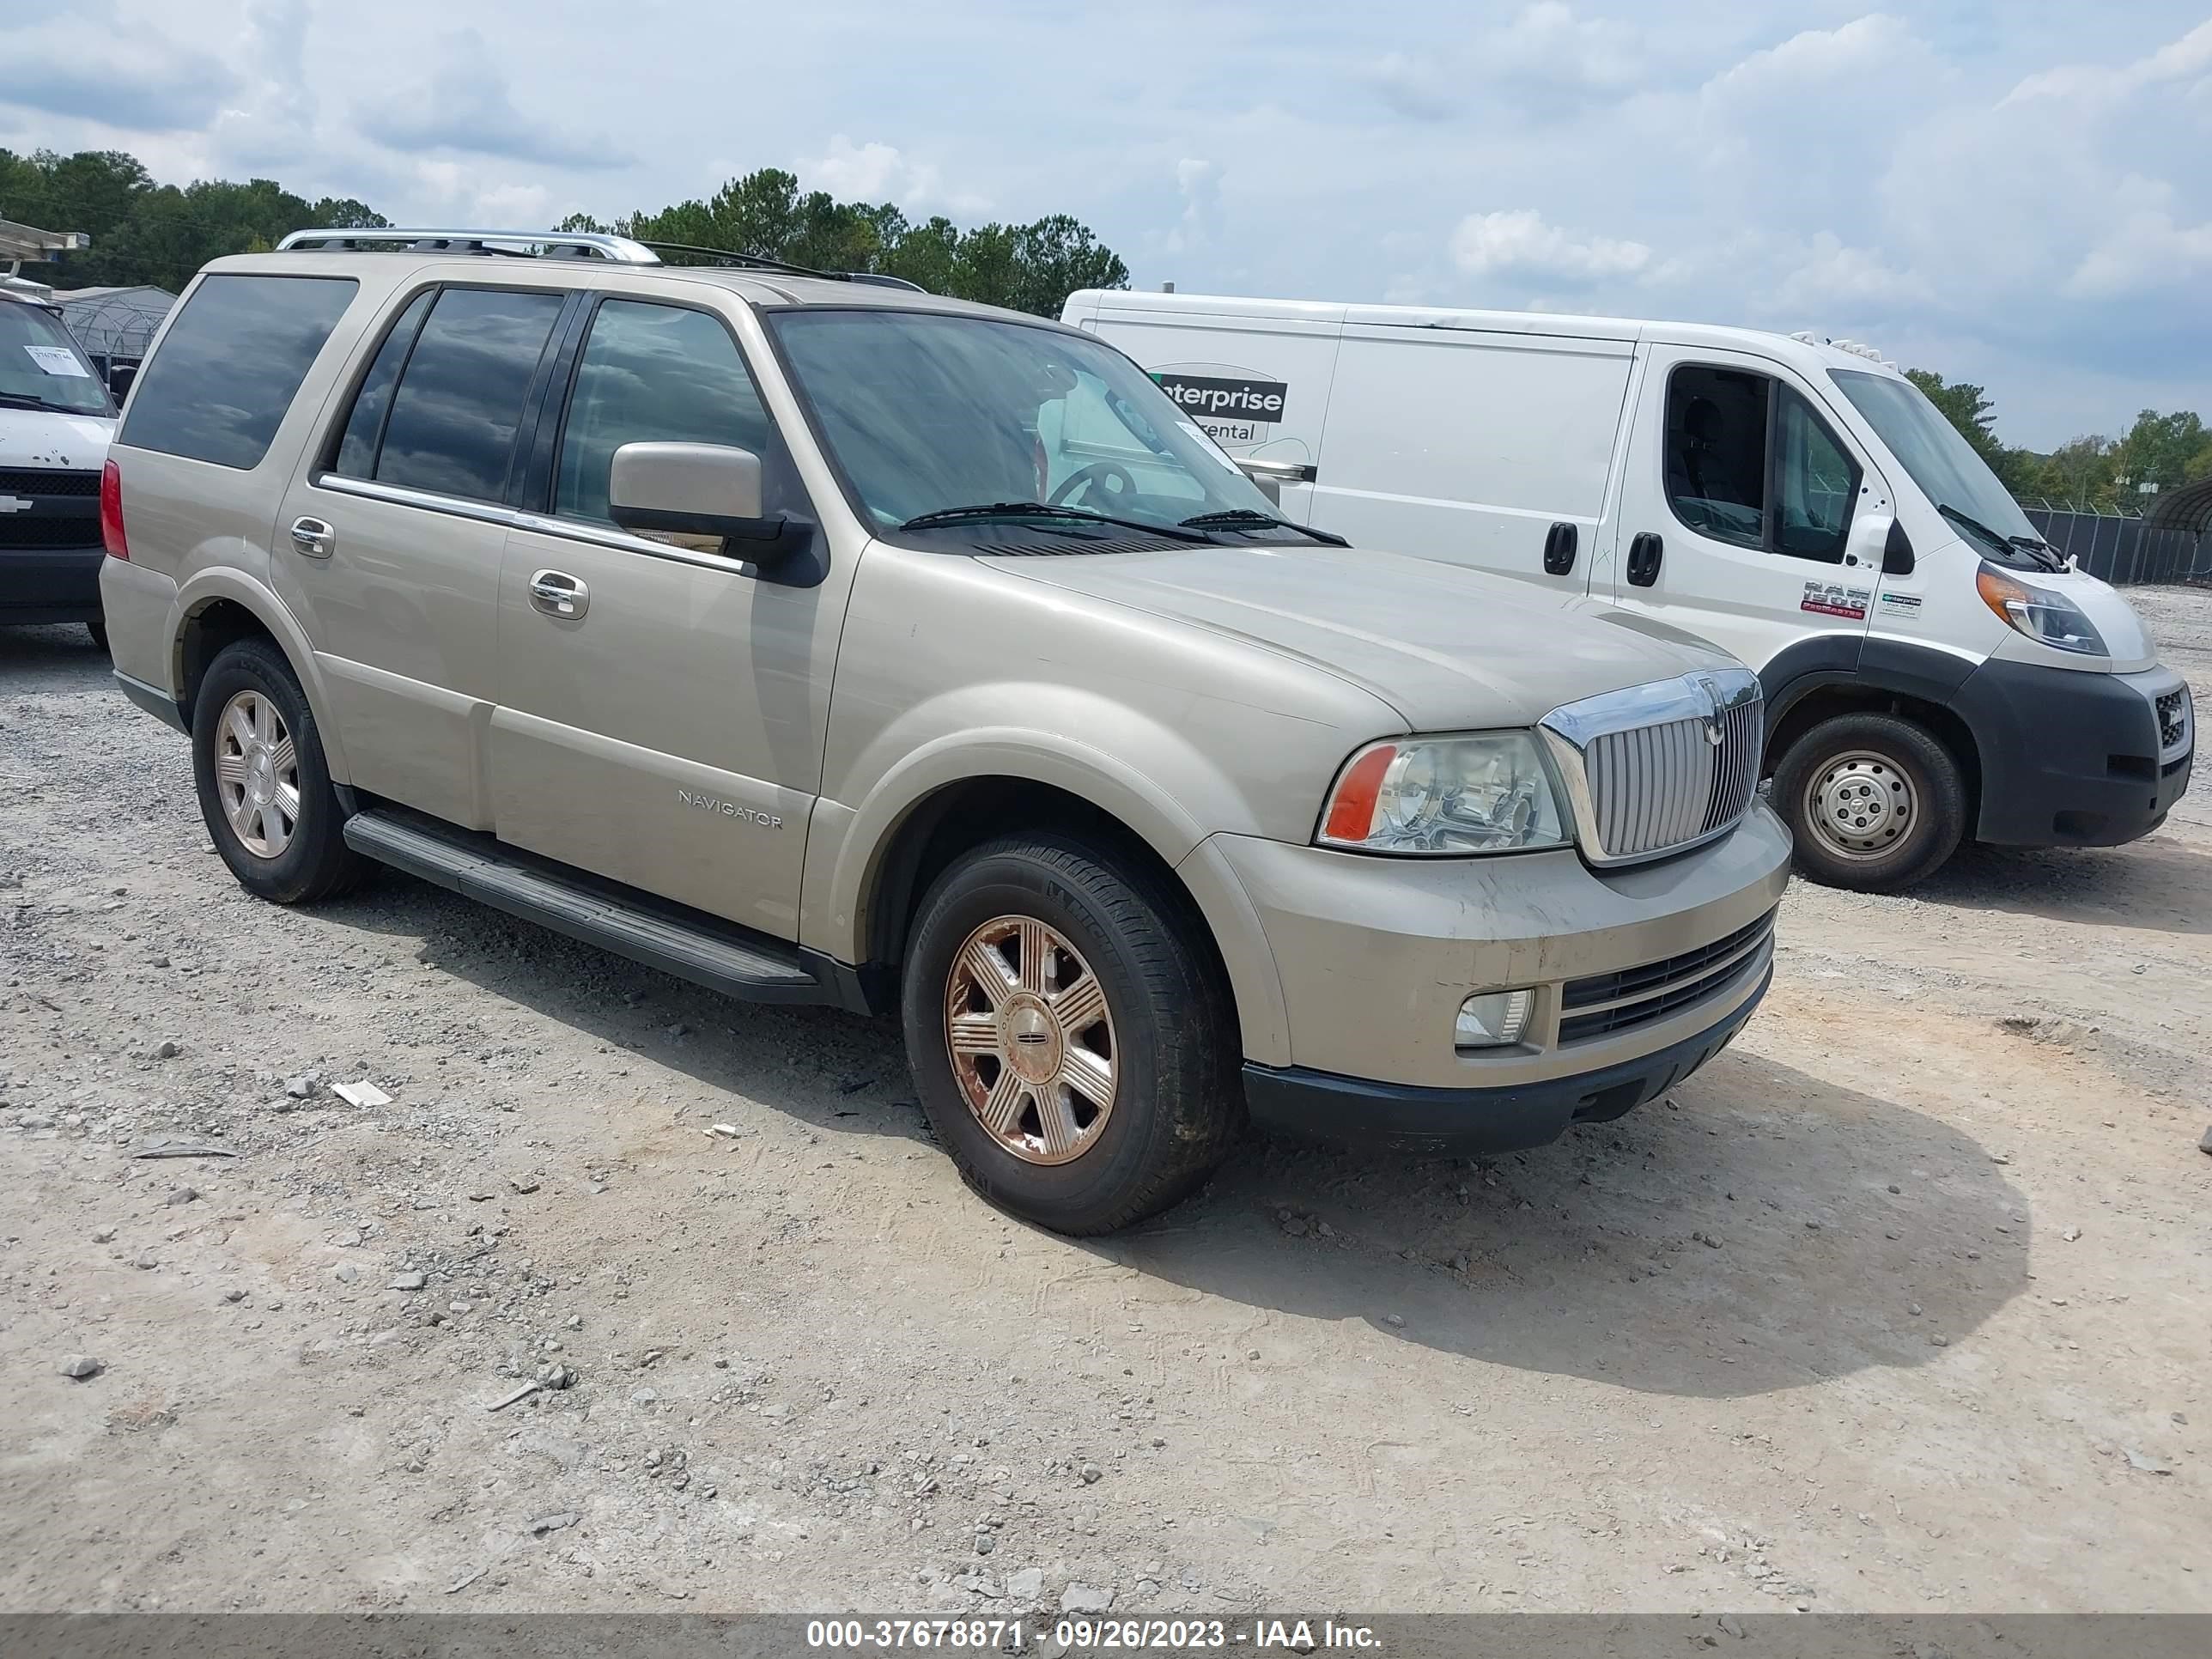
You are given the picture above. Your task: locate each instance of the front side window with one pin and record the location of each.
(1749, 462)
(652, 373)
(40, 365)
(217, 387)
(459, 399)
(926, 414)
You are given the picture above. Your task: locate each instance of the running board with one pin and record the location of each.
(676, 940)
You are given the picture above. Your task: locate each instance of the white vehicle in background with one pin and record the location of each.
(56, 419)
(1933, 670)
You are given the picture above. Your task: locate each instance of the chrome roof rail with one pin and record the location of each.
(514, 243)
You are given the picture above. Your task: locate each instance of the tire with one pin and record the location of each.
(1166, 1032)
(1875, 802)
(310, 860)
(98, 629)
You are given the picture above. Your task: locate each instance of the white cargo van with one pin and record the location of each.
(55, 420)
(1934, 671)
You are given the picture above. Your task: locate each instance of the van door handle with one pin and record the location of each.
(559, 594)
(314, 537)
(1559, 549)
(1644, 556)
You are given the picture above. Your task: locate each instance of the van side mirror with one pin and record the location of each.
(1897, 551)
(701, 489)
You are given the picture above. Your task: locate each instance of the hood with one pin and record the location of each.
(1447, 647)
(42, 438)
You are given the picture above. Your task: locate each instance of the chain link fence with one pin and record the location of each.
(2122, 548)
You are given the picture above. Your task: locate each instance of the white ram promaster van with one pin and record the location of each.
(1933, 670)
(55, 423)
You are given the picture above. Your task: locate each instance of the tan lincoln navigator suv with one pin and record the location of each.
(818, 639)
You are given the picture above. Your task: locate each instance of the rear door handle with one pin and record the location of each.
(314, 536)
(1559, 549)
(1644, 556)
(559, 594)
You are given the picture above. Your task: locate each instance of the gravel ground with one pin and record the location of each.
(1901, 1305)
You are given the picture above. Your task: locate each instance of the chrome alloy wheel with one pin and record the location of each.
(1031, 1039)
(1861, 804)
(257, 775)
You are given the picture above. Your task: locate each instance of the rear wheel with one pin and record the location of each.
(265, 788)
(1070, 1039)
(1875, 802)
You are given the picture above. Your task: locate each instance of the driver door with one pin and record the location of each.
(1737, 505)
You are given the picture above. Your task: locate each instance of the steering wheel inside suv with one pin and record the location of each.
(1097, 482)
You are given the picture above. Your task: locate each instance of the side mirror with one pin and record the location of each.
(1897, 551)
(700, 490)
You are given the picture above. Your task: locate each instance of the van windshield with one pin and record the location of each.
(40, 366)
(1942, 462)
(928, 415)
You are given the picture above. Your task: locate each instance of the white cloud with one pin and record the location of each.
(1518, 242)
(464, 104)
(882, 173)
(1546, 61)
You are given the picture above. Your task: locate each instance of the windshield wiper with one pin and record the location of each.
(2041, 552)
(1245, 517)
(25, 400)
(981, 510)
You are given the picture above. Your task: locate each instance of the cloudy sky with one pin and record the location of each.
(2016, 193)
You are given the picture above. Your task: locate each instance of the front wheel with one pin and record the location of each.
(1071, 1041)
(1875, 803)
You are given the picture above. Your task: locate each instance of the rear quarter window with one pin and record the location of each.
(230, 365)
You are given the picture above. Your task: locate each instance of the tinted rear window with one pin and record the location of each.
(230, 365)
(454, 419)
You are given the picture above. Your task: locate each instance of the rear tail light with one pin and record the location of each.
(111, 512)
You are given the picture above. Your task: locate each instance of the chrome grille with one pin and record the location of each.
(1658, 768)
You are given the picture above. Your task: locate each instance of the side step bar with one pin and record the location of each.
(687, 943)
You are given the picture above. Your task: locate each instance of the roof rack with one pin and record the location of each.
(561, 245)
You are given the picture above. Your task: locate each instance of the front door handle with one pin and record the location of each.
(314, 537)
(1644, 556)
(1559, 549)
(559, 594)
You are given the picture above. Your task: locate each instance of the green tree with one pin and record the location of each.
(2159, 451)
(1965, 406)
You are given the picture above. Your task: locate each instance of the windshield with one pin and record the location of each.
(1942, 462)
(928, 414)
(41, 366)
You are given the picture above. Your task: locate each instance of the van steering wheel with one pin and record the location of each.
(1100, 475)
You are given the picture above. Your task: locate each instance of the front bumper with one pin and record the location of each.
(1375, 955)
(50, 584)
(1318, 1106)
(2070, 758)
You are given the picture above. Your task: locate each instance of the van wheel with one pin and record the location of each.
(265, 788)
(1875, 802)
(98, 629)
(1071, 1041)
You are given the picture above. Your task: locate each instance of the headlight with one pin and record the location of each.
(1442, 795)
(2046, 616)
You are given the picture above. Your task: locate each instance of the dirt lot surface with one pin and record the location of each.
(1901, 1305)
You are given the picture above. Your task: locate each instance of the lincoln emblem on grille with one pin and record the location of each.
(1712, 691)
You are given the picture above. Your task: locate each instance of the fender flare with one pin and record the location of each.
(1930, 674)
(840, 925)
(205, 586)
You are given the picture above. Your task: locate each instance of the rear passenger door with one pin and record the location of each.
(389, 546)
(662, 724)
(1737, 504)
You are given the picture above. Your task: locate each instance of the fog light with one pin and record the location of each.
(1493, 1019)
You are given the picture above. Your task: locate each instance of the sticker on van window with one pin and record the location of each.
(1834, 599)
(56, 360)
(1230, 407)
